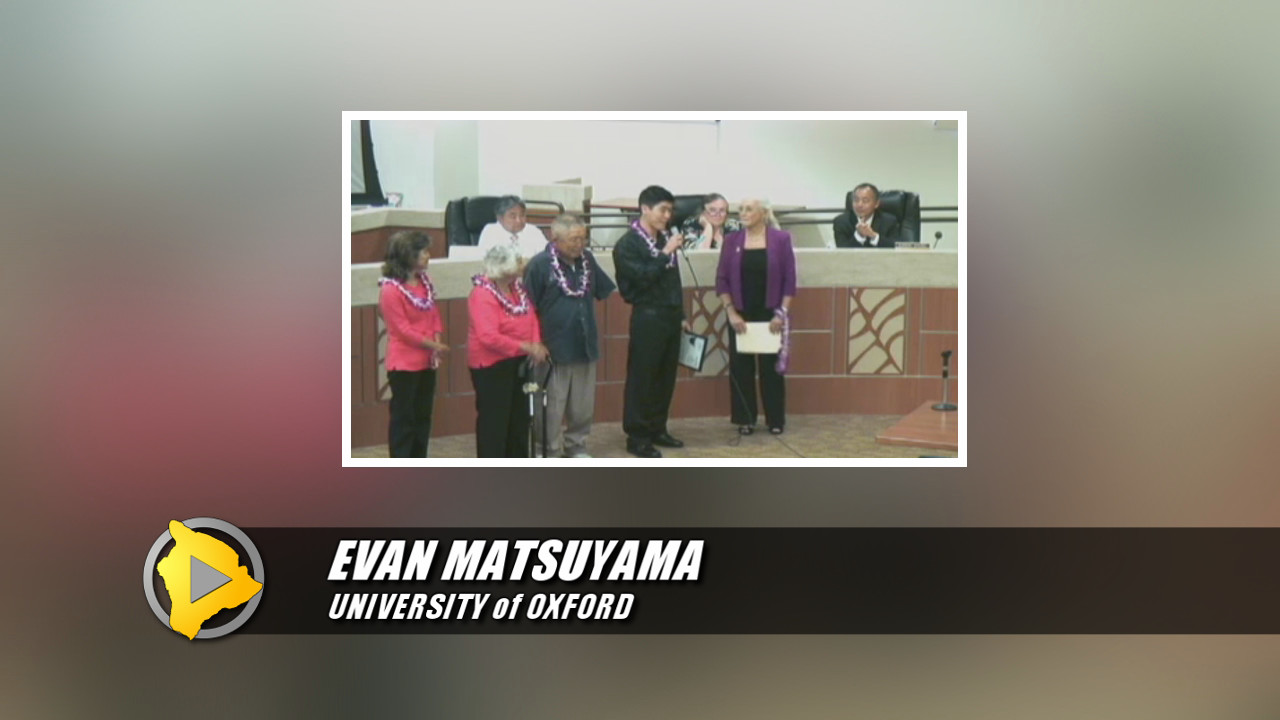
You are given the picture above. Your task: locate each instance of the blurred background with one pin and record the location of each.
(171, 188)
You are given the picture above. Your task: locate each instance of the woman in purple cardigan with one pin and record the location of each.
(756, 280)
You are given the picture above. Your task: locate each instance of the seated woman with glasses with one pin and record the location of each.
(706, 230)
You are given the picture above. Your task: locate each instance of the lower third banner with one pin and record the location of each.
(728, 580)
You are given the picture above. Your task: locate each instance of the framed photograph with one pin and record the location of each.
(693, 350)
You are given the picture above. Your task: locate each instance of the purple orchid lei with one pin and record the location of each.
(561, 277)
(479, 280)
(784, 354)
(421, 303)
(654, 250)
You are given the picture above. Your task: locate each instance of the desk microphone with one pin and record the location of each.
(936, 237)
(945, 406)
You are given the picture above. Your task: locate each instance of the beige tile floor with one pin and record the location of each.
(810, 436)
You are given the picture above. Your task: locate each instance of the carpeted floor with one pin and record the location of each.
(810, 436)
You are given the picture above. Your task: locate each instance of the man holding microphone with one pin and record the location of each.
(644, 261)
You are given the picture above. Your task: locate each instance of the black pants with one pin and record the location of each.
(742, 382)
(412, 393)
(502, 410)
(652, 353)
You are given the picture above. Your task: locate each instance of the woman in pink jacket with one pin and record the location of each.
(408, 304)
(503, 334)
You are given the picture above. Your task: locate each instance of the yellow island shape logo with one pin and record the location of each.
(203, 576)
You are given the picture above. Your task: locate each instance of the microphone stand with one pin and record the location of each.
(733, 381)
(945, 406)
(530, 387)
(545, 392)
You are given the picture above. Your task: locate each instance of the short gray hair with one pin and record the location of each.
(505, 203)
(501, 261)
(564, 224)
(710, 198)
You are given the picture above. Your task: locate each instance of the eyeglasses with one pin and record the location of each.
(716, 211)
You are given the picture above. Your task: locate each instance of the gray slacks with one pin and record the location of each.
(571, 406)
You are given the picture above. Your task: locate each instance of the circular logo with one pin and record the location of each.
(212, 566)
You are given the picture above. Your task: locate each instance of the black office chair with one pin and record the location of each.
(466, 217)
(899, 203)
(686, 206)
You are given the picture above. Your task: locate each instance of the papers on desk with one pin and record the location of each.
(757, 340)
(465, 252)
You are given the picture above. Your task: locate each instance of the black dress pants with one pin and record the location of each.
(652, 353)
(502, 412)
(412, 393)
(742, 391)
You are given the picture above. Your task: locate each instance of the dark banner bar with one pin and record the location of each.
(831, 580)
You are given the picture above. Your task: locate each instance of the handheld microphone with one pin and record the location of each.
(672, 232)
(668, 234)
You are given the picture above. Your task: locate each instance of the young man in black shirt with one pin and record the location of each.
(644, 260)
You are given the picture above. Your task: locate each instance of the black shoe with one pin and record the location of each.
(665, 440)
(645, 450)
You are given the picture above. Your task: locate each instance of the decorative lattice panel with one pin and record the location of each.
(877, 331)
(707, 316)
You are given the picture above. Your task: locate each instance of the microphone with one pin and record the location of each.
(945, 406)
(671, 232)
(680, 251)
(936, 237)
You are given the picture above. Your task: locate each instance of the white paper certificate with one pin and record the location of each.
(757, 340)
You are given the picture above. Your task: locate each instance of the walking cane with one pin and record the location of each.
(546, 390)
(530, 388)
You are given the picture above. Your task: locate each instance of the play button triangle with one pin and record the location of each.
(204, 579)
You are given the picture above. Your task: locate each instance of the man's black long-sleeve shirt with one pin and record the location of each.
(645, 280)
